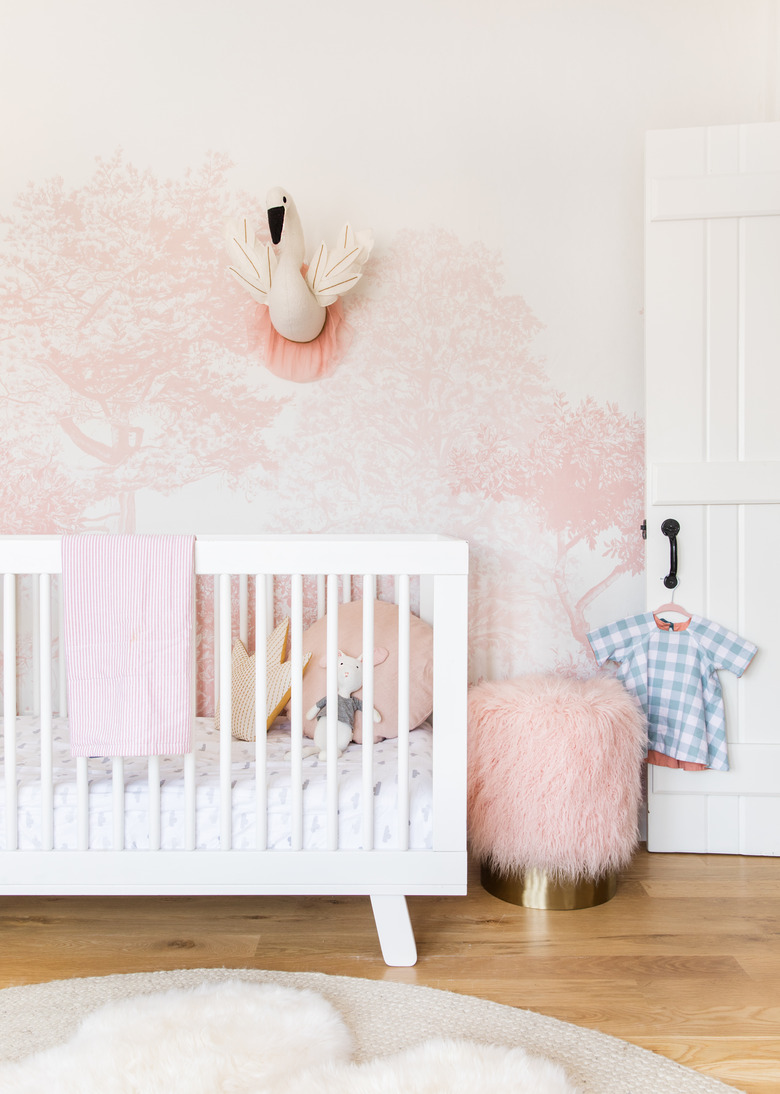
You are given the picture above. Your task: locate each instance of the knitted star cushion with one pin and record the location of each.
(278, 682)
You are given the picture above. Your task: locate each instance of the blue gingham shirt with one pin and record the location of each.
(672, 669)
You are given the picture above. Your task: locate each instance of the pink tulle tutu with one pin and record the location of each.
(302, 361)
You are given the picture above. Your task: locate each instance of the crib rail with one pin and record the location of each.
(276, 554)
(441, 566)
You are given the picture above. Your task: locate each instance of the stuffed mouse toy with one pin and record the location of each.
(350, 679)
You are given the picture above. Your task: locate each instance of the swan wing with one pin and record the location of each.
(334, 271)
(252, 262)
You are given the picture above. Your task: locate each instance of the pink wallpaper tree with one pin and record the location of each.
(436, 346)
(120, 338)
(582, 474)
(36, 493)
(585, 475)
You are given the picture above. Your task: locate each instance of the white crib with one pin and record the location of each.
(34, 860)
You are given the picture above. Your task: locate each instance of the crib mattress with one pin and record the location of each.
(206, 748)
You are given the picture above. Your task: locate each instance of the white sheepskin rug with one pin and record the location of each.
(240, 1038)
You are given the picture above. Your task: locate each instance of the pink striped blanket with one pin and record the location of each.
(128, 643)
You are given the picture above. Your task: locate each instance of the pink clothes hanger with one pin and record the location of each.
(670, 606)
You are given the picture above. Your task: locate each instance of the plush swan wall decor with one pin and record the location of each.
(275, 274)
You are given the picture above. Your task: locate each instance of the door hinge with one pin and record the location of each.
(643, 526)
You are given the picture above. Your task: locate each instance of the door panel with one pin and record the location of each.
(713, 453)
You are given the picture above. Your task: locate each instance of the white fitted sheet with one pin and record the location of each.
(206, 748)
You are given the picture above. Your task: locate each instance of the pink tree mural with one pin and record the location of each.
(585, 477)
(36, 494)
(121, 338)
(436, 346)
(582, 473)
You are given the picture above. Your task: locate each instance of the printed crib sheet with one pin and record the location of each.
(206, 746)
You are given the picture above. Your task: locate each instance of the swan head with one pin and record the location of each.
(283, 219)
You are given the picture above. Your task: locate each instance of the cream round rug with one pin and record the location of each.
(373, 1027)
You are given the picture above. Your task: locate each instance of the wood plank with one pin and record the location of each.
(764, 966)
(729, 1059)
(707, 196)
(756, 482)
(759, 890)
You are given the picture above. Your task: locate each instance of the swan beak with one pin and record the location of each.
(276, 222)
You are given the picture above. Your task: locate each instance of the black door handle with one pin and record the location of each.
(670, 528)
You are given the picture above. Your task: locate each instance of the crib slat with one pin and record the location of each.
(450, 650)
(216, 640)
(118, 802)
(153, 777)
(82, 803)
(44, 705)
(296, 711)
(346, 588)
(332, 710)
(225, 715)
(9, 710)
(62, 679)
(368, 714)
(37, 664)
(402, 588)
(190, 823)
(261, 706)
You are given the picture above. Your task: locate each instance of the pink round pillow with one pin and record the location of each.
(385, 674)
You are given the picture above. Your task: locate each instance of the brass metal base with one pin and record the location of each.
(535, 889)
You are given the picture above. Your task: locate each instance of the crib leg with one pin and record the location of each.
(394, 928)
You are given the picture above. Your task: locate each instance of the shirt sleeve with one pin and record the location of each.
(613, 642)
(726, 649)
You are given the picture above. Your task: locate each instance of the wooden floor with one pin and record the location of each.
(685, 960)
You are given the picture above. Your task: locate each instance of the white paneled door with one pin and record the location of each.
(712, 365)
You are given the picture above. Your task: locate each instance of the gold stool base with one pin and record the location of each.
(535, 889)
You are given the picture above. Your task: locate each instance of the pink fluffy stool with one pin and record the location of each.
(555, 784)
